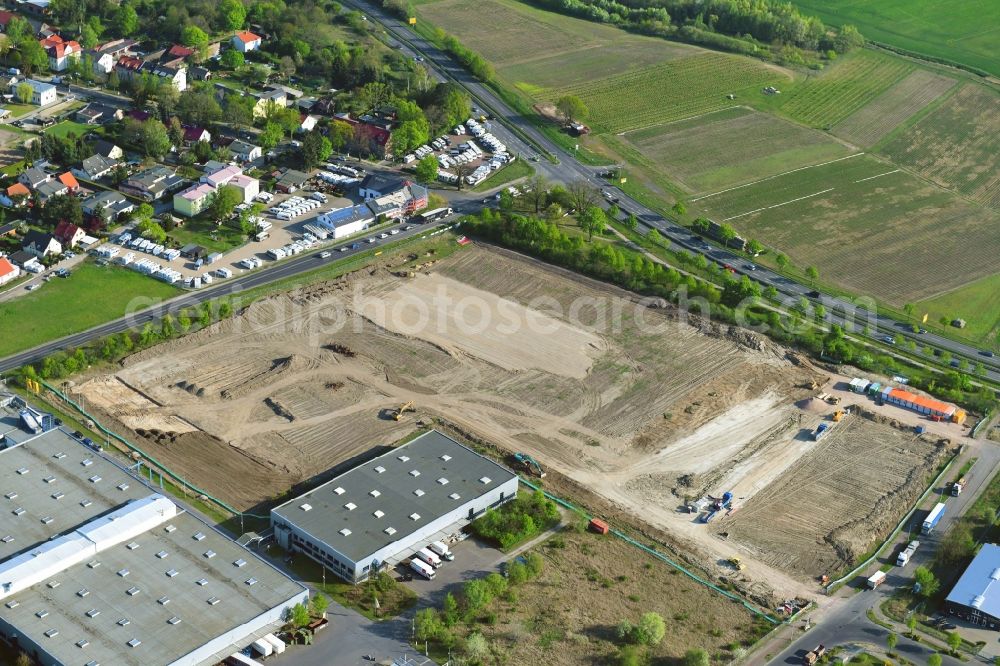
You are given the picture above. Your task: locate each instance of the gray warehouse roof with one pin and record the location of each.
(979, 586)
(148, 600)
(388, 498)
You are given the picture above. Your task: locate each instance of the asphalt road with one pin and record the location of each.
(847, 622)
(569, 169)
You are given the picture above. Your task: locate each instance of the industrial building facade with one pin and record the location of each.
(383, 510)
(97, 567)
(976, 596)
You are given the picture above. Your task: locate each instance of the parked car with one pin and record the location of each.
(888, 339)
(32, 287)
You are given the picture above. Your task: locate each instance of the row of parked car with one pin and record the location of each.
(429, 558)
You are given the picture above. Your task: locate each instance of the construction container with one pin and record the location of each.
(599, 526)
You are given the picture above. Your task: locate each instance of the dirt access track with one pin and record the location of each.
(627, 400)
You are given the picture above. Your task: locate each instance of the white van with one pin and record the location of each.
(422, 568)
(429, 557)
(224, 272)
(440, 549)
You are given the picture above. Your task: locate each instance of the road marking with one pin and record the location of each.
(779, 175)
(783, 203)
(878, 176)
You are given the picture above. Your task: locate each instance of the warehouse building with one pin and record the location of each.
(935, 409)
(380, 512)
(976, 595)
(96, 567)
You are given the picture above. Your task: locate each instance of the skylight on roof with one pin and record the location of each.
(162, 554)
(403, 458)
(13, 603)
(240, 563)
(93, 612)
(124, 622)
(123, 572)
(22, 471)
(374, 493)
(82, 592)
(202, 582)
(414, 516)
(350, 506)
(122, 486)
(339, 491)
(58, 495)
(443, 481)
(51, 633)
(378, 513)
(47, 519)
(445, 457)
(389, 530)
(85, 503)
(418, 492)
(135, 642)
(132, 591)
(59, 456)
(250, 581)
(306, 507)
(345, 532)
(455, 496)
(485, 480)
(209, 554)
(49, 479)
(163, 601)
(42, 614)
(132, 546)
(213, 600)
(94, 479)
(11, 496)
(86, 462)
(169, 528)
(82, 643)
(174, 620)
(19, 511)
(414, 472)
(198, 536)
(171, 573)
(379, 469)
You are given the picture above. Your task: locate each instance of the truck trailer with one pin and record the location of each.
(876, 579)
(904, 556)
(428, 557)
(933, 518)
(422, 568)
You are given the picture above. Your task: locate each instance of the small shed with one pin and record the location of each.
(598, 525)
(193, 251)
(214, 257)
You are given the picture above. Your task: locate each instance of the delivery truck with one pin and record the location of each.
(441, 550)
(422, 568)
(904, 556)
(933, 518)
(429, 557)
(876, 579)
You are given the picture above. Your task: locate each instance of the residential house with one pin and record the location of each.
(16, 195)
(42, 94)
(5, 18)
(244, 41)
(194, 199)
(376, 185)
(60, 51)
(68, 234)
(70, 181)
(41, 244)
(8, 271)
(291, 180)
(290, 93)
(196, 134)
(244, 152)
(112, 204)
(369, 139)
(307, 123)
(141, 116)
(306, 104)
(176, 75)
(326, 106)
(35, 7)
(109, 150)
(98, 114)
(32, 177)
(152, 184)
(9, 230)
(175, 55)
(9, 82)
(106, 55)
(26, 261)
(198, 73)
(129, 67)
(49, 189)
(264, 99)
(95, 167)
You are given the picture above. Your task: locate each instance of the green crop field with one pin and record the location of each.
(964, 31)
(867, 226)
(957, 144)
(92, 295)
(978, 304)
(826, 98)
(873, 122)
(731, 146)
(671, 91)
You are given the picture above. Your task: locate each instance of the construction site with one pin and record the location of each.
(702, 431)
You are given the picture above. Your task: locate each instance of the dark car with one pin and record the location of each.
(987, 353)
(813, 294)
(78, 434)
(88, 441)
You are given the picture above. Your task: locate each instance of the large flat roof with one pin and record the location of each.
(979, 586)
(405, 489)
(158, 588)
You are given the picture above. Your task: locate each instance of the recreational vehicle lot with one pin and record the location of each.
(631, 405)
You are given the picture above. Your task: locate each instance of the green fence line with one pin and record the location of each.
(660, 556)
(163, 468)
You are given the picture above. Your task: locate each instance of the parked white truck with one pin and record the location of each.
(429, 557)
(904, 556)
(422, 568)
(876, 579)
(441, 550)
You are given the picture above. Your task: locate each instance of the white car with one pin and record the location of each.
(372, 239)
(394, 232)
(383, 235)
(324, 255)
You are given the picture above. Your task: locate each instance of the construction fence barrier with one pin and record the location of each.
(658, 555)
(148, 458)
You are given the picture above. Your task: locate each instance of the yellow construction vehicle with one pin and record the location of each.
(837, 415)
(405, 407)
(736, 563)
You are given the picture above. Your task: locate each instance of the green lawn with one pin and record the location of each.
(508, 174)
(18, 110)
(964, 31)
(205, 233)
(978, 304)
(67, 127)
(92, 295)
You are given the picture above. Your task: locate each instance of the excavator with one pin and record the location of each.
(405, 407)
(530, 464)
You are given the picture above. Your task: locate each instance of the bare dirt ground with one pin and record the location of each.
(627, 401)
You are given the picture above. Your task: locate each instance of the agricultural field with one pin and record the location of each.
(977, 303)
(963, 31)
(627, 401)
(92, 295)
(868, 226)
(957, 145)
(874, 121)
(671, 91)
(731, 146)
(826, 98)
(534, 49)
(840, 481)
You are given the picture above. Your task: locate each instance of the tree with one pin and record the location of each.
(319, 604)
(848, 38)
(651, 629)
(463, 170)
(339, 133)
(126, 20)
(927, 581)
(954, 640)
(428, 624)
(632, 222)
(223, 203)
(534, 563)
(593, 221)
(782, 261)
(449, 610)
(654, 237)
(517, 573)
(755, 247)
(272, 134)
(194, 37)
(60, 208)
(286, 66)
(232, 59)
(298, 615)
(316, 148)
(152, 230)
(696, 657)
(934, 660)
(374, 95)
(234, 14)
(571, 108)
(909, 309)
(427, 169)
(582, 195)
(25, 92)
(911, 624)
(726, 234)
(476, 647)
(198, 107)
(477, 594)
(812, 273)
(32, 57)
(679, 209)
(88, 38)
(891, 641)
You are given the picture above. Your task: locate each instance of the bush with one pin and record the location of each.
(518, 520)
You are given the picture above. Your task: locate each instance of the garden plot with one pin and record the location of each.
(719, 149)
(874, 121)
(629, 401)
(956, 145)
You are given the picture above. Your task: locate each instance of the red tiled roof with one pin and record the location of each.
(193, 133)
(5, 17)
(18, 190)
(246, 37)
(179, 51)
(59, 47)
(69, 180)
(65, 231)
(6, 268)
(129, 62)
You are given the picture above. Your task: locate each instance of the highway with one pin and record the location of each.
(569, 169)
